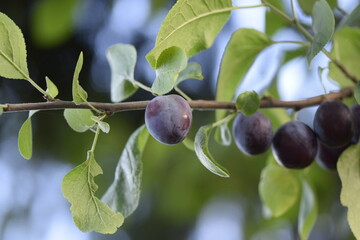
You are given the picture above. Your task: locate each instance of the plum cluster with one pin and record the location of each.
(296, 145)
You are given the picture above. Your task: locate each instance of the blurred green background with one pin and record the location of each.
(180, 199)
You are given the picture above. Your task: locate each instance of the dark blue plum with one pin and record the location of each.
(168, 118)
(253, 134)
(328, 157)
(333, 124)
(294, 145)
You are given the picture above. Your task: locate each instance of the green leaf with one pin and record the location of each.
(124, 193)
(346, 50)
(80, 120)
(241, 51)
(89, 213)
(223, 134)
(248, 102)
(308, 211)
(79, 94)
(279, 189)
(170, 63)
(357, 93)
(192, 70)
(307, 5)
(104, 126)
(188, 143)
(348, 19)
(122, 60)
(323, 25)
(25, 139)
(52, 21)
(274, 22)
(12, 50)
(349, 171)
(202, 152)
(51, 88)
(191, 25)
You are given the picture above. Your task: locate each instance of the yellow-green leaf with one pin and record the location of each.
(191, 25)
(279, 189)
(51, 88)
(78, 93)
(170, 63)
(241, 52)
(124, 193)
(89, 213)
(346, 50)
(80, 120)
(203, 153)
(25, 139)
(349, 171)
(12, 50)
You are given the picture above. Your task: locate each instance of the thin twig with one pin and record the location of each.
(111, 108)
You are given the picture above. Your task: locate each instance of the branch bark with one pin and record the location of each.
(110, 108)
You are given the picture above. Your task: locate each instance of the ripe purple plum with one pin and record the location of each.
(333, 124)
(294, 145)
(327, 157)
(168, 118)
(253, 134)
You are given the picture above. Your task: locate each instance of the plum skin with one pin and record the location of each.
(168, 118)
(253, 134)
(333, 124)
(294, 145)
(328, 157)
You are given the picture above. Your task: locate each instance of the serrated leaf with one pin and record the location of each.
(203, 153)
(51, 88)
(348, 167)
(308, 211)
(80, 120)
(357, 93)
(323, 25)
(25, 139)
(307, 5)
(346, 50)
(192, 70)
(124, 193)
(122, 60)
(248, 102)
(170, 63)
(104, 126)
(350, 18)
(223, 134)
(52, 21)
(12, 50)
(191, 25)
(241, 52)
(78, 93)
(89, 213)
(279, 189)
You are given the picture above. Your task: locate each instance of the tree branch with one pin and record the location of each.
(110, 108)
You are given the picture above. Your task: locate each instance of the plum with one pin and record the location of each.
(253, 134)
(333, 124)
(168, 118)
(327, 157)
(294, 145)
